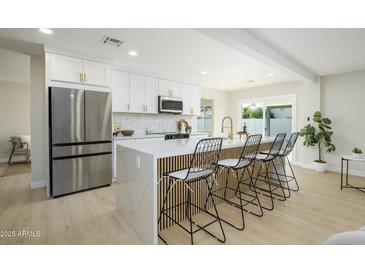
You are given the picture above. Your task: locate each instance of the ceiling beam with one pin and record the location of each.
(246, 43)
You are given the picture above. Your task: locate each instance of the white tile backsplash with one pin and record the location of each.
(140, 123)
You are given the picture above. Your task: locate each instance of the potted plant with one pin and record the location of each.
(319, 135)
(357, 152)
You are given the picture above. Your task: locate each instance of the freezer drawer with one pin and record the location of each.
(73, 150)
(67, 115)
(75, 174)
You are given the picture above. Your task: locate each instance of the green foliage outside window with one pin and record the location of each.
(252, 113)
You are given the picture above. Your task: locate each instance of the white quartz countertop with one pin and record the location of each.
(161, 149)
(144, 136)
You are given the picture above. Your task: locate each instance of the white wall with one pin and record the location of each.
(14, 99)
(220, 107)
(14, 115)
(38, 124)
(307, 98)
(14, 67)
(343, 101)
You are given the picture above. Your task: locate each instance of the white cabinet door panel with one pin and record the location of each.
(174, 89)
(195, 96)
(169, 88)
(151, 95)
(65, 69)
(96, 73)
(120, 91)
(136, 93)
(185, 94)
(163, 87)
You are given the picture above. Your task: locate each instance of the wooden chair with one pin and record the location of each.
(19, 148)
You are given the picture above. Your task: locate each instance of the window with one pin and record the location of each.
(268, 116)
(205, 119)
(252, 117)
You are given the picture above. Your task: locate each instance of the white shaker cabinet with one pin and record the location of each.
(151, 95)
(66, 69)
(185, 94)
(120, 91)
(95, 73)
(163, 87)
(191, 99)
(169, 88)
(136, 92)
(77, 70)
(175, 89)
(195, 97)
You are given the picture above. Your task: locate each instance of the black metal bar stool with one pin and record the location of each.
(283, 155)
(203, 165)
(242, 164)
(266, 160)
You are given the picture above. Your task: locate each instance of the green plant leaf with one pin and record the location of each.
(326, 121)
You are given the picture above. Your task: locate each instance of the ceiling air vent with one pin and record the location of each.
(111, 41)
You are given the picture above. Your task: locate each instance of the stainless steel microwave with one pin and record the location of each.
(168, 104)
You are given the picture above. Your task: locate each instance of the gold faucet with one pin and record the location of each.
(230, 135)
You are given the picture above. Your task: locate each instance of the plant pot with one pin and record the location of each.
(357, 155)
(319, 167)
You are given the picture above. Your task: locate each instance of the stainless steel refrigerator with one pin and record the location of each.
(80, 140)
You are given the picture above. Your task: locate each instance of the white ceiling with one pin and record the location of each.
(177, 54)
(323, 51)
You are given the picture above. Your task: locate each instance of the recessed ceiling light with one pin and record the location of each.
(204, 72)
(271, 74)
(133, 53)
(46, 31)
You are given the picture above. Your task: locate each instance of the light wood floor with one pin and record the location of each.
(319, 210)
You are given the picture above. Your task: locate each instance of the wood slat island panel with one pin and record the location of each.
(178, 194)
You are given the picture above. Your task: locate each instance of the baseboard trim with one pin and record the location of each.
(15, 159)
(354, 172)
(303, 165)
(332, 168)
(38, 184)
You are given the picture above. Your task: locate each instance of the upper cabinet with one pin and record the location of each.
(169, 88)
(120, 91)
(76, 70)
(195, 97)
(151, 94)
(191, 99)
(95, 73)
(66, 69)
(134, 93)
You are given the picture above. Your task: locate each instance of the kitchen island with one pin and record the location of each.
(140, 167)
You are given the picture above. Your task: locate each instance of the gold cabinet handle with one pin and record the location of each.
(80, 77)
(84, 77)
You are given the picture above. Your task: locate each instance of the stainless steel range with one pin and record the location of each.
(80, 140)
(171, 135)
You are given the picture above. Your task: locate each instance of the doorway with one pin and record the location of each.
(205, 119)
(278, 120)
(268, 115)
